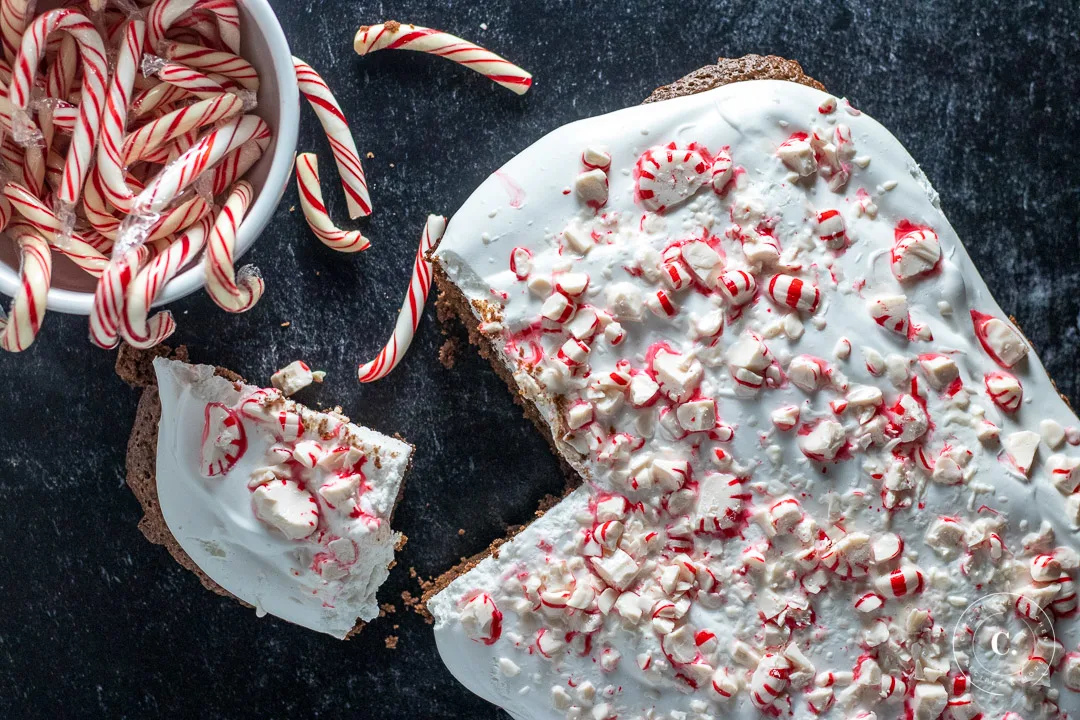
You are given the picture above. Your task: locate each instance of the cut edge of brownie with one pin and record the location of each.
(136, 368)
(453, 307)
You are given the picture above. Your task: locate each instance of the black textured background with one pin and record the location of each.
(96, 622)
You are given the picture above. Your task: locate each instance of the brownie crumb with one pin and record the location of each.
(461, 532)
(387, 609)
(391, 642)
(450, 352)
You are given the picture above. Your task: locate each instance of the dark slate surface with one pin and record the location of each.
(96, 622)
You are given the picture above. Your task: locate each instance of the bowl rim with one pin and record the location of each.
(266, 202)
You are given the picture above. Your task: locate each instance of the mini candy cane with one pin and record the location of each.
(163, 14)
(311, 200)
(18, 330)
(136, 328)
(109, 296)
(61, 74)
(395, 36)
(45, 221)
(150, 99)
(92, 93)
(158, 132)
(231, 293)
(411, 309)
(235, 164)
(190, 80)
(14, 15)
(227, 17)
(341, 140)
(110, 167)
(231, 66)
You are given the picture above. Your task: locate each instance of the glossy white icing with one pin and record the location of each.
(802, 469)
(291, 515)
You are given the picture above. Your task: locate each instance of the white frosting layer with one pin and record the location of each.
(864, 483)
(299, 526)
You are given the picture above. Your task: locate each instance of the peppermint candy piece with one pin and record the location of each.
(283, 504)
(891, 313)
(797, 154)
(831, 230)
(521, 262)
(1005, 390)
(1000, 340)
(669, 175)
(737, 287)
(794, 293)
(721, 499)
(721, 171)
(224, 440)
(915, 253)
(481, 619)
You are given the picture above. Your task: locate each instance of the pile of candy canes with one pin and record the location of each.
(132, 166)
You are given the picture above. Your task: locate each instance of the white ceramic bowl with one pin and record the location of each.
(263, 44)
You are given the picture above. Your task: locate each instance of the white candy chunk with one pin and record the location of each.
(585, 325)
(596, 158)
(480, 619)
(724, 684)
(912, 418)
(886, 547)
(624, 301)
(285, 506)
(720, 502)
(577, 239)
(786, 417)
(557, 308)
(940, 370)
(1052, 433)
(340, 491)
(678, 375)
(1070, 671)
(292, 378)
(591, 187)
(823, 442)
(629, 607)
(1021, 448)
(1000, 341)
(806, 372)
(704, 262)
(916, 253)
(579, 414)
(670, 474)
(709, 324)
(1005, 390)
(891, 313)
(618, 570)
(643, 390)
(861, 397)
(1064, 473)
(797, 155)
(842, 350)
(945, 535)
(572, 283)
(950, 464)
(929, 701)
(697, 415)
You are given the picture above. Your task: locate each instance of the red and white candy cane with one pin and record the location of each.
(190, 80)
(411, 309)
(235, 164)
(311, 201)
(20, 327)
(203, 155)
(163, 14)
(232, 293)
(227, 16)
(92, 93)
(61, 74)
(155, 96)
(337, 131)
(111, 293)
(219, 62)
(14, 16)
(158, 132)
(110, 167)
(45, 221)
(396, 36)
(136, 328)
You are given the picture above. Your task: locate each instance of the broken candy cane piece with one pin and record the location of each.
(737, 287)
(666, 176)
(1064, 473)
(411, 308)
(721, 171)
(318, 219)
(284, 505)
(1000, 340)
(786, 417)
(591, 187)
(831, 230)
(721, 498)
(1021, 448)
(822, 442)
(224, 440)
(520, 262)
(21, 326)
(292, 378)
(797, 154)
(594, 158)
(901, 582)
(393, 35)
(794, 293)
(770, 680)
(482, 619)
(1005, 390)
(891, 313)
(915, 253)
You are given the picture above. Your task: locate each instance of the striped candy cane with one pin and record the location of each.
(190, 80)
(232, 293)
(411, 309)
(235, 164)
(164, 14)
(158, 132)
(14, 16)
(92, 93)
(311, 200)
(341, 140)
(224, 22)
(138, 330)
(20, 327)
(61, 74)
(49, 226)
(110, 293)
(395, 36)
(110, 167)
(219, 62)
(159, 95)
